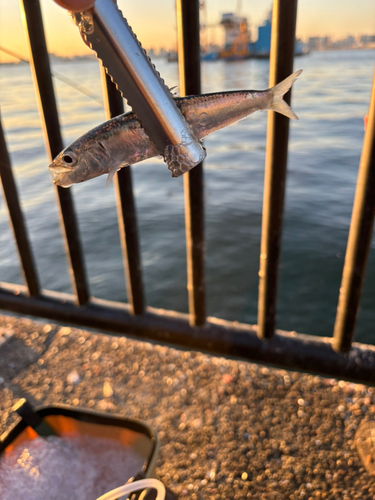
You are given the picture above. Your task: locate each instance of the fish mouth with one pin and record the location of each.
(60, 175)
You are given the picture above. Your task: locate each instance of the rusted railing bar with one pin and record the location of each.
(126, 211)
(190, 84)
(40, 65)
(359, 239)
(291, 351)
(16, 217)
(281, 65)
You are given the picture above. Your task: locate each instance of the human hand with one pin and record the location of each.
(76, 5)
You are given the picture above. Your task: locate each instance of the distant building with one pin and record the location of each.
(349, 40)
(319, 43)
(367, 39)
(262, 47)
(348, 43)
(237, 37)
(263, 44)
(233, 25)
(325, 42)
(312, 43)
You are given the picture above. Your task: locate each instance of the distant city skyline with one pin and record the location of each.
(155, 24)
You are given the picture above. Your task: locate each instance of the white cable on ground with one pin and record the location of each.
(136, 486)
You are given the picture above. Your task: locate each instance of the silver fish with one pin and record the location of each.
(122, 141)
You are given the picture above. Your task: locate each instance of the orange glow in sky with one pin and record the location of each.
(155, 25)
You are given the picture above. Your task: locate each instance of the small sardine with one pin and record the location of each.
(122, 141)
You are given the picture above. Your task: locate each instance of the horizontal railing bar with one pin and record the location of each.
(216, 336)
(190, 84)
(16, 217)
(359, 239)
(126, 212)
(284, 15)
(39, 62)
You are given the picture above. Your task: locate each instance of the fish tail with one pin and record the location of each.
(278, 91)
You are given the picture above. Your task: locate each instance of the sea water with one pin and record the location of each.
(54, 468)
(331, 98)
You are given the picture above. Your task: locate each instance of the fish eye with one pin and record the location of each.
(69, 159)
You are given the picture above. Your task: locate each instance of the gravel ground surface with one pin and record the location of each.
(228, 429)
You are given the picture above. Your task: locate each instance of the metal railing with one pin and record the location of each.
(336, 356)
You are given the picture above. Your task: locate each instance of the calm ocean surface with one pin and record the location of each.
(331, 98)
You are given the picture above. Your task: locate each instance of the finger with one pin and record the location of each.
(76, 5)
(365, 121)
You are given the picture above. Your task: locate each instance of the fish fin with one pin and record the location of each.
(111, 174)
(278, 91)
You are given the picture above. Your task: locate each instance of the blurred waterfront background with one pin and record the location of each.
(331, 98)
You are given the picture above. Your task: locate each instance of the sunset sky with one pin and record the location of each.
(154, 22)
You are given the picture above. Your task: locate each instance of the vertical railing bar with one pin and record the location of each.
(39, 62)
(284, 15)
(190, 84)
(17, 219)
(359, 239)
(126, 211)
